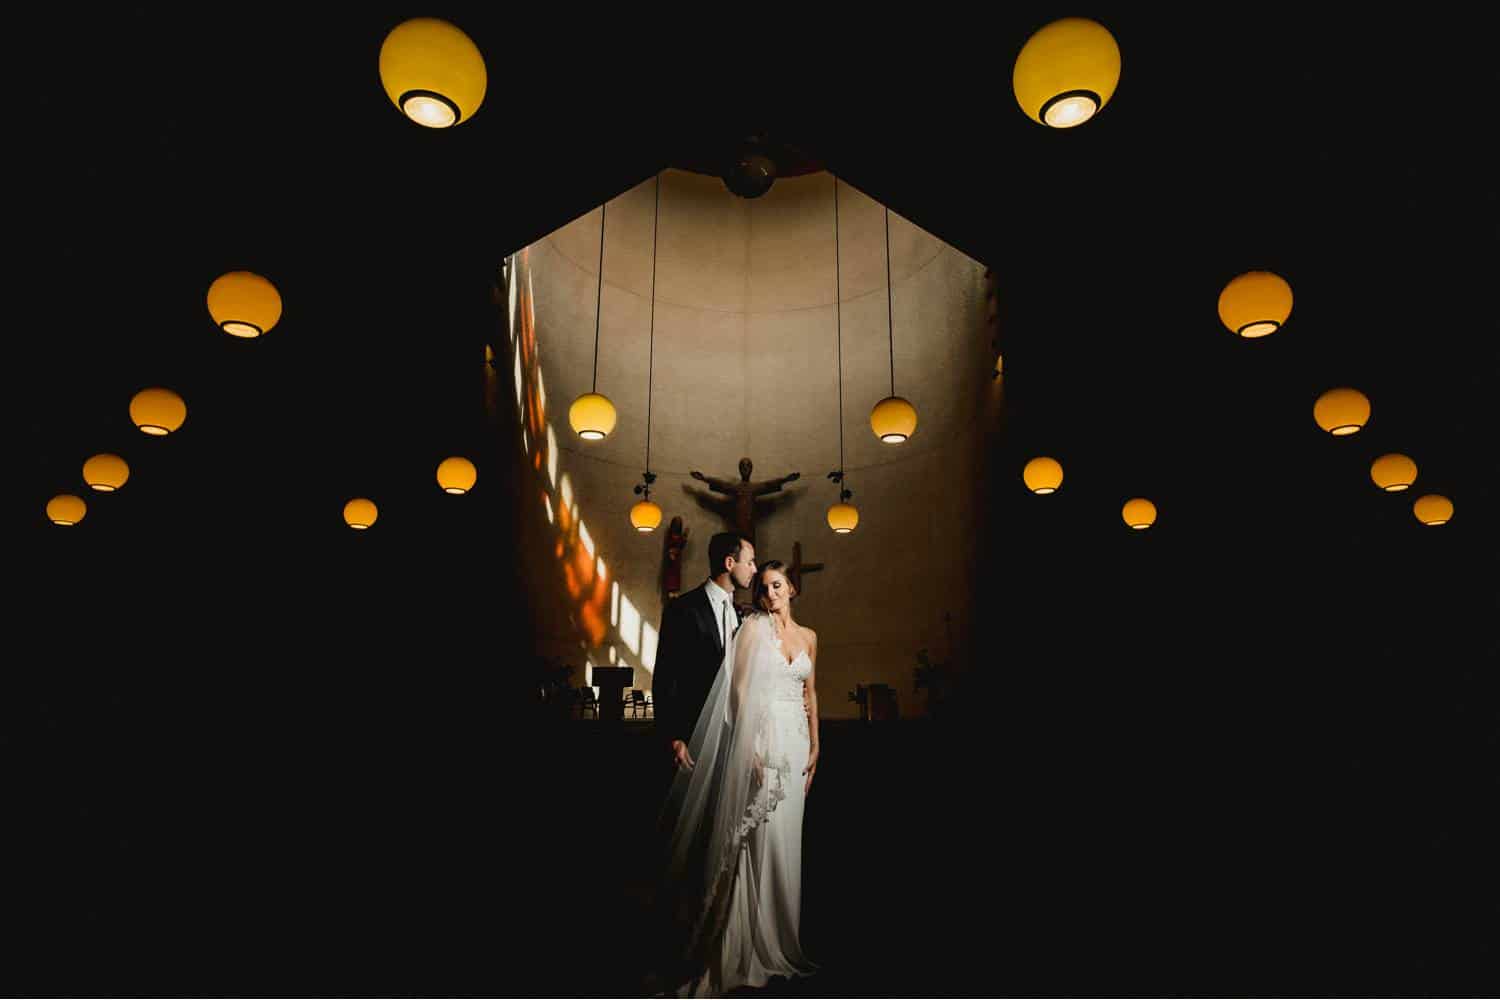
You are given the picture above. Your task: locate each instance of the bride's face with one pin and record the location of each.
(777, 589)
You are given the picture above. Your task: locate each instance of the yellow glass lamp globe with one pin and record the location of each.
(433, 72)
(244, 304)
(1067, 72)
(66, 510)
(157, 411)
(360, 513)
(843, 518)
(1255, 304)
(1342, 412)
(645, 516)
(893, 420)
(1043, 475)
(1433, 509)
(592, 416)
(1393, 473)
(105, 472)
(457, 475)
(1139, 513)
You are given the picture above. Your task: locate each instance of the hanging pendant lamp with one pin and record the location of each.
(105, 472)
(157, 411)
(1043, 475)
(842, 516)
(66, 510)
(433, 72)
(592, 416)
(1139, 513)
(457, 475)
(1393, 473)
(894, 419)
(244, 304)
(646, 515)
(360, 513)
(1255, 304)
(1342, 412)
(1066, 72)
(1433, 509)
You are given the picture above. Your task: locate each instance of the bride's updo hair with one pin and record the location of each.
(758, 587)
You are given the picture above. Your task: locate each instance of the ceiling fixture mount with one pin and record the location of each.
(433, 72)
(1067, 72)
(751, 170)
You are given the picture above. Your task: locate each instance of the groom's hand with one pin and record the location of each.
(681, 756)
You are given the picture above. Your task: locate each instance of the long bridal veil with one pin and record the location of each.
(736, 783)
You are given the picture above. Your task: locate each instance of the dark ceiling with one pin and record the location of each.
(177, 147)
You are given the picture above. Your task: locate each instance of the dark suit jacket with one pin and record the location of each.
(688, 655)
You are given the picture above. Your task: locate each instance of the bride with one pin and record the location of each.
(737, 815)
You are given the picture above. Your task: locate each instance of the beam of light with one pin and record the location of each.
(514, 288)
(547, 502)
(552, 456)
(520, 400)
(525, 442)
(583, 536)
(541, 391)
(530, 298)
(566, 489)
(630, 625)
(648, 647)
(602, 570)
(614, 604)
(613, 656)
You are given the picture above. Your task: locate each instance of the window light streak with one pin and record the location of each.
(630, 625)
(552, 456)
(648, 646)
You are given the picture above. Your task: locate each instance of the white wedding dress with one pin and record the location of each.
(742, 807)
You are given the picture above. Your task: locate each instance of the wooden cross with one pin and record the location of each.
(798, 567)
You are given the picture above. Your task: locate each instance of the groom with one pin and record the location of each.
(696, 629)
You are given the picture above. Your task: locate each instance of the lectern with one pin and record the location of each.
(612, 683)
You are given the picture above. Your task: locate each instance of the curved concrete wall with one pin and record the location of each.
(745, 364)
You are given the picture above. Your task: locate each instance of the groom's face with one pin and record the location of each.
(742, 570)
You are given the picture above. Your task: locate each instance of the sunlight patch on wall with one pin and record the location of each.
(547, 502)
(552, 456)
(648, 646)
(567, 493)
(614, 605)
(520, 396)
(585, 538)
(630, 625)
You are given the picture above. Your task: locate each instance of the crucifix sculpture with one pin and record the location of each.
(744, 494)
